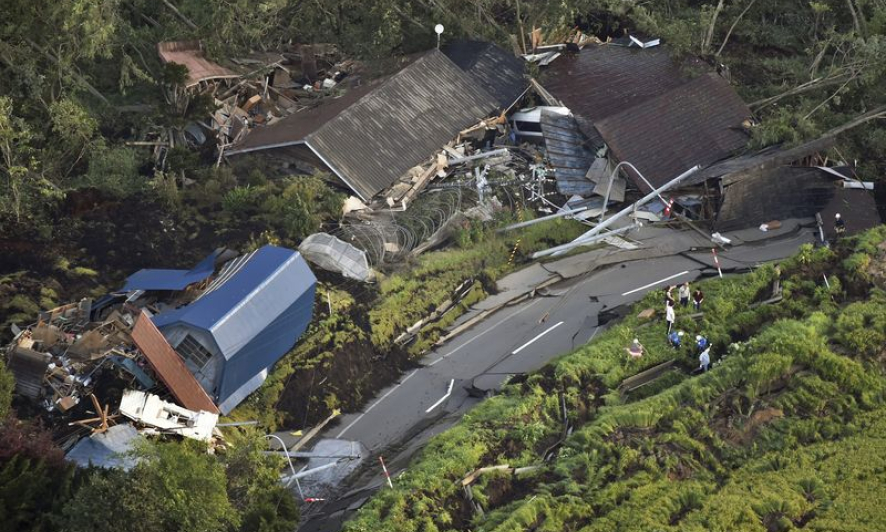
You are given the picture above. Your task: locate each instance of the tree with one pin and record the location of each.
(255, 491)
(7, 385)
(35, 480)
(174, 486)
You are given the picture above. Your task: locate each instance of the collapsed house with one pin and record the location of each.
(231, 330)
(190, 55)
(799, 192)
(207, 337)
(373, 135)
(636, 105)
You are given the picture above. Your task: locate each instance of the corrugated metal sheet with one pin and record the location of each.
(171, 279)
(568, 151)
(335, 255)
(189, 54)
(603, 80)
(699, 122)
(28, 367)
(255, 314)
(500, 73)
(169, 366)
(397, 126)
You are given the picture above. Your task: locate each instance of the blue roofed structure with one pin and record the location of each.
(171, 279)
(252, 312)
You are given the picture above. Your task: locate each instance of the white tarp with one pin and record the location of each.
(330, 253)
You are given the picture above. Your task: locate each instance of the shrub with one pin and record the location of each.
(862, 327)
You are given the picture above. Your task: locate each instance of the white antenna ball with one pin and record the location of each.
(438, 29)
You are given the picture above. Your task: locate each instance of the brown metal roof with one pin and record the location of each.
(169, 366)
(699, 122)
(603, 80)
(189, 54)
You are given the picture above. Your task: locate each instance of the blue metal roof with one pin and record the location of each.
(255, 310)
(171, 279)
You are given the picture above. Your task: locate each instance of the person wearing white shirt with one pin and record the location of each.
(670, 315)
(704, 360)
(684, 293)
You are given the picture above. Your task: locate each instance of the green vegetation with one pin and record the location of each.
(174, 486)
(79, 210)
(786, 431)
(343, 348)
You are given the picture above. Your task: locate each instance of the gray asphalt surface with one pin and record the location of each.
(516, 339)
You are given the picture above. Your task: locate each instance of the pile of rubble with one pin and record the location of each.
(75, 351)
(259, 89)
(55, 361)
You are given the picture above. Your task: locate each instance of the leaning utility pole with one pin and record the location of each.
(588, 237)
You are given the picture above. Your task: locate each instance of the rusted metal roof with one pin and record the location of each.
(169, 366)
(396, 126)
(699, 122)
(603, 80)
(190, 54)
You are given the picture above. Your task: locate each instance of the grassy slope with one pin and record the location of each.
(785, 432)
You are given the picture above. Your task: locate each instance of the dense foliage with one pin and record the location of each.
(174, 486)
(786, 431)
(79, 209)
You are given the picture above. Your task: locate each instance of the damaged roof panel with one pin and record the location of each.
(110, 449)
(569, 153)
(699, 122)
(169, 366)
(28, 367)
(500, 73)
(778, 194)
(190, 55)
(796, 192)
(255, 311)
(294, 128)
(171, 279)
(603, 80)
(400, 124)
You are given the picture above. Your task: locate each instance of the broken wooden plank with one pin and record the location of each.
(645, 377)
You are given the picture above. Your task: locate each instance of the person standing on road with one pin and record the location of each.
(670, 315)
(839, 225)
(704, 360)
(697, 298)
(684, 294)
